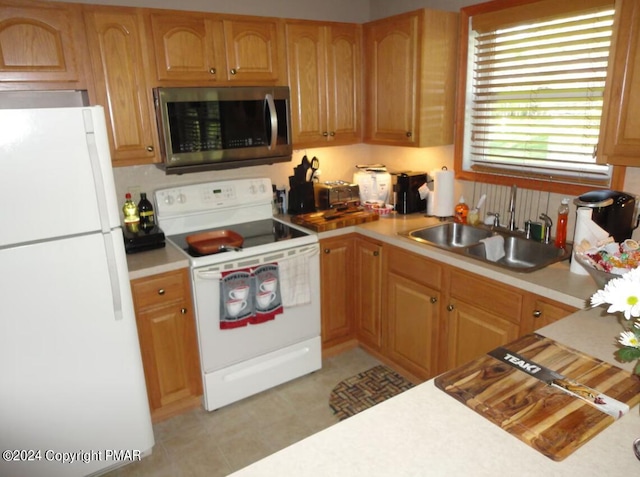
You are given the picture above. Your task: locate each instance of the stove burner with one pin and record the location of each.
(255, 233)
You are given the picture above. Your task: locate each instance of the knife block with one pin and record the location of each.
(301, 198)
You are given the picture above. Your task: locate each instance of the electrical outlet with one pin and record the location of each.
(135, 192)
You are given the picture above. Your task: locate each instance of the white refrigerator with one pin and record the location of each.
(72, 392)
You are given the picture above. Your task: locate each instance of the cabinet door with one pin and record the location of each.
(391, 49)
(42, 44)
(344, 66)
(368, 285)
(473, 331)
(337, 290)
(168, 342)
(187, 47)
(539, 312)
(253, 50)
(116, 47)
(413, 314)
(307, 80)
(620, 130)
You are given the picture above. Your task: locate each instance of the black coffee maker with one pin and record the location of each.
(406, 188)
(613, 211)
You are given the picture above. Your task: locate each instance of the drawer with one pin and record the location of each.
(159, 289)
(415, 267)
(482, 292)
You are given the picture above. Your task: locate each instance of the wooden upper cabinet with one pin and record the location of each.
(43, 45)
(392, 79)
(410, 66)
(116, 43)
(324, 75)
(620, 129)
(254, 50)
(187, 47)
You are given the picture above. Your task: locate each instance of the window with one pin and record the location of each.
(535, 79)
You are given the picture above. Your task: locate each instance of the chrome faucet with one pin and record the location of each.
(512, 208)
(548, 223)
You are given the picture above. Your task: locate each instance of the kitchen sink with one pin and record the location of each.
(521, 254)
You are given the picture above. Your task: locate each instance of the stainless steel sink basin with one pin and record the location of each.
(521, 254)
(450, 235)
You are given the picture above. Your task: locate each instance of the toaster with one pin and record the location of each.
(336, 194)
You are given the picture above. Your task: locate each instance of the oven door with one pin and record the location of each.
(220, 348)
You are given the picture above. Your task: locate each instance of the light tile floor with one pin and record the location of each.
(217, 443)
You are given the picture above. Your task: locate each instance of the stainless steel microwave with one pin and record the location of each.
(222, 128)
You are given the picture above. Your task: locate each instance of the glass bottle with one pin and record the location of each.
(131, 217)
(147, 216)
(561, 225)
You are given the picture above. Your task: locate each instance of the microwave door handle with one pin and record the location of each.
(273, 117)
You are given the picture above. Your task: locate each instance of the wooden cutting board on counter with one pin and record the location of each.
(545, 417)
(330, 219)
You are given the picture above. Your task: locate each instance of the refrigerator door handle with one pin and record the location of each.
(112, 265)
(94, 159)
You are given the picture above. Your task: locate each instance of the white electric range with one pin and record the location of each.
(257, 307)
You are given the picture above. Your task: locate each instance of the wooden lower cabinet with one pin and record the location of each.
(473, 331)
(412, 311)
(336, 290)
(539, 311)
(368, 286)
(168, 341)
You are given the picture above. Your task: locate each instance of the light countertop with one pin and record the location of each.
(425, 432)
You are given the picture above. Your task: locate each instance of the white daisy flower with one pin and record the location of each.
(628, 338)
(622, 294)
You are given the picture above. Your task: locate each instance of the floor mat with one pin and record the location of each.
(365, 390)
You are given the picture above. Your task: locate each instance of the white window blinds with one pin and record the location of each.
(536, 94)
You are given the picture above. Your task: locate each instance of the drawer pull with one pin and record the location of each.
(434, 299)
(449, 307)
(183, 311)
(537, 313)
(161, 291)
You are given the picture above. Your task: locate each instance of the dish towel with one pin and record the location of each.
(250, 296)
(494, 247)
(294, 275)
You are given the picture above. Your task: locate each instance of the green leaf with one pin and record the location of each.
(628, 354)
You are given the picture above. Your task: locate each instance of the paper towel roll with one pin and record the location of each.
(443, 201)
(586, 229)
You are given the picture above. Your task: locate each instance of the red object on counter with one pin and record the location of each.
(561, 225)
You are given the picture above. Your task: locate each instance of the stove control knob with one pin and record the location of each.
(168, 199)
(252, 189)
(263, 189)
(181, 198)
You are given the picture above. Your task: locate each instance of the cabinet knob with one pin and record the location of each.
(325, 133)
(332, 134)
(149, 148)
(233, 71)
(212, 71)
(183, 311)
(376, 253)
(409, 134)
(449, 307)
(537, 313)
(161, 291)
(433, 299)
(327, 250)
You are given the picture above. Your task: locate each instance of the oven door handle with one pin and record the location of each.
(205, 275)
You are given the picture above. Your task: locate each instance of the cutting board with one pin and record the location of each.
(329, 219)
(542, 416)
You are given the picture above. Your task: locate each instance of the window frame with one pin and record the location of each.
(618, 172)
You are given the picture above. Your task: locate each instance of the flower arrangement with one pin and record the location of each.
(623, 295)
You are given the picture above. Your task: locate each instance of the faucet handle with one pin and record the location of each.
(548, 223)
(496, 218)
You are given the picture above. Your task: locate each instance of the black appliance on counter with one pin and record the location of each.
(143, 240)
(613, 211)
(406, 188)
